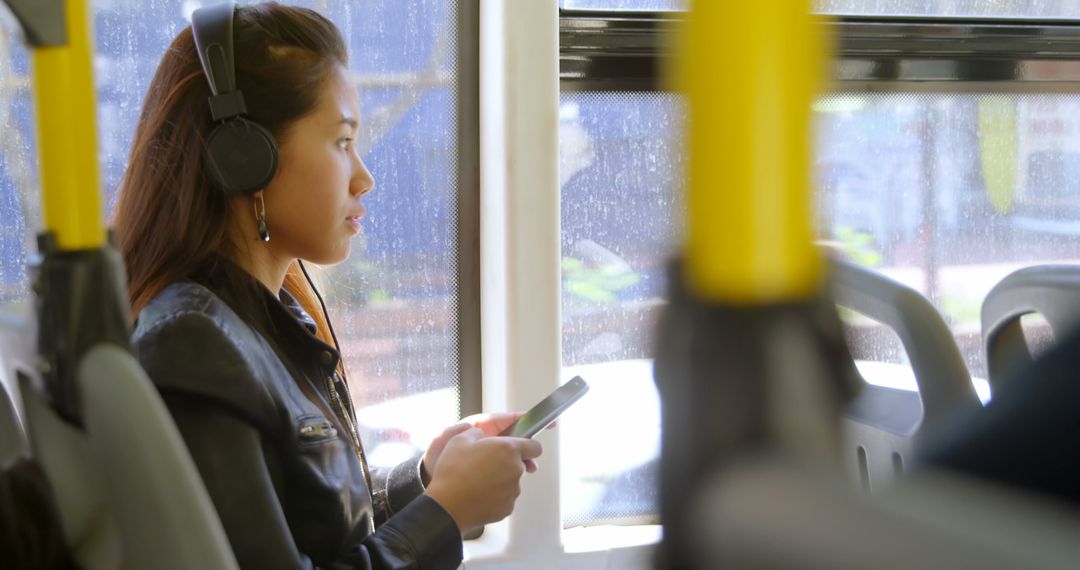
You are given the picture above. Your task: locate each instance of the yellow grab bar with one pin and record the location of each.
(67, 135)
(750, 71)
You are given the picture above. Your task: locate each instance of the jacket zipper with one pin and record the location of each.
(349, 419)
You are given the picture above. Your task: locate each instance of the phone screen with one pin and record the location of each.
(539, 416)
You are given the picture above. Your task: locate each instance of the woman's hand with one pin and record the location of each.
(489, 424)
(435, 450)
(477, 478)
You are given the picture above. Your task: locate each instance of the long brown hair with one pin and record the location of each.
(172, 216)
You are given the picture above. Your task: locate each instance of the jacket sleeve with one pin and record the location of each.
(228, 440)
(396, 487)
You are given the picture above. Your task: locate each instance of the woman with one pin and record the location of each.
(229, 331)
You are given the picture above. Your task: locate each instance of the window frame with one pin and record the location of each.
(520, 254)
(871, 54)
(469, 302)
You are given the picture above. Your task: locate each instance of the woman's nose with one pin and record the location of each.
(362, 181)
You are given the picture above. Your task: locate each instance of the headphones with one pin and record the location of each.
(242, 153)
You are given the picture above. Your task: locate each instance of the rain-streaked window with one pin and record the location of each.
(949, 193)
(392, 301)
(20, 201)
(946, 193)
(619, 160)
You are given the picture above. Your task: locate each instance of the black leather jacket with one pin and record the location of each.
(289, 488)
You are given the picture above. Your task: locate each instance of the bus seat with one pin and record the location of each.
(127, 492)
(1050, 290)
(14, 348)
(13, 443)
(57, 447)
(62, 451)
(769, 514)
(30, 531)
(883, 424)
(1028, 434)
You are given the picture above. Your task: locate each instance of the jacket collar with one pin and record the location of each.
(297, 311)
(282, 319)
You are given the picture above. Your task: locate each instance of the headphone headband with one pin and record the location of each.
(242, 154)
(212, 29)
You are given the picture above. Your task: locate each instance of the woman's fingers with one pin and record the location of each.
(528, 448)
(493, 424)
(435, 449)
(456, 429)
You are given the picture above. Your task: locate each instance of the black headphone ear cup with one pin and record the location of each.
(242, 155)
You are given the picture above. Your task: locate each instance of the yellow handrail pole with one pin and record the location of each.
(749, 71)
(67, 136)
(748, 363)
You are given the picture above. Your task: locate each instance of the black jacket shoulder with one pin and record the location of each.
(190, 342)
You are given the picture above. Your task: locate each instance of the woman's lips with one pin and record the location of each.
(354, 223)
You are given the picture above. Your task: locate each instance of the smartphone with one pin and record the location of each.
(541, 415)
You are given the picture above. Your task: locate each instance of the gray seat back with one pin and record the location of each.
(1050, 290)
(16, 352)
(883, 424)
(126, 488)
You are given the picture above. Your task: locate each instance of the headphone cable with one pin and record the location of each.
(326, 315)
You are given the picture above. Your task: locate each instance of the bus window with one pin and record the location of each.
(620, 171)
(20, 200)
(949, 193)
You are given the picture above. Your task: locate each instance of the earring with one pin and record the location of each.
(260, 215)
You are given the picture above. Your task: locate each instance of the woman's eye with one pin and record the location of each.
(345, 143)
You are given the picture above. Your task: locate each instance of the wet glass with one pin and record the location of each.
(949, 193)
(620, 166)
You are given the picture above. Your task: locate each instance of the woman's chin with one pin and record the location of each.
(336, 257)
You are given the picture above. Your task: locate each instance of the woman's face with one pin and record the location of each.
(313, 206)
